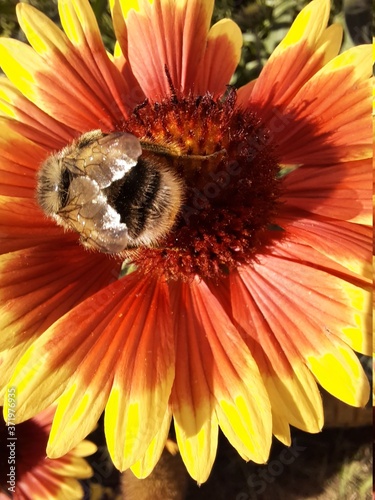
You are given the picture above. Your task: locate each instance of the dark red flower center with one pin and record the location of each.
(229, 170)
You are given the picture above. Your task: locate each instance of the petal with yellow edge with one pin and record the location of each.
(307, 46)
(87, 392)
(143, 467)
(55, 93)
(58, 352)
(193, 404)
(281, 429)
(222, 55)
(345, 308)
(340, 372)
(197, 446)
(230, 373)
(118, 95)
(349, 245)
(30, 122)
(334, 109)
(295, 401)
(119, 10)
(8, 360)
(332, 309)
(144, 371)
(89, 389)
(294, 396)
(97, 88)
(167, 36)
(76, 467)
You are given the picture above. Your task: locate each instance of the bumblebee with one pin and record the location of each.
(109, 190)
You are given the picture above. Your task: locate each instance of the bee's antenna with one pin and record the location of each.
(170, 83)
(138, 108)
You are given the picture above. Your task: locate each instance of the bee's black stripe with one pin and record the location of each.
(133, 197)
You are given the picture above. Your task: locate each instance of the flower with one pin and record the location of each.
(37, 476)
(259, 291)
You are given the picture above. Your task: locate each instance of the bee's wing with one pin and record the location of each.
(106, 158)
(89, 214)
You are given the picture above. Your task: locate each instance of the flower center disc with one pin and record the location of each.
(225, 159)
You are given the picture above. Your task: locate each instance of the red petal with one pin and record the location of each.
(29, 121)
(347, 244)
(39, 285)
(216, 370)
(341, 191)
(19, 159)
(168, 35)
(222, 55)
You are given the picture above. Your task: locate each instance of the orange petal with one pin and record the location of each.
(22, 225)
(220, 59)
(349, 245)
(136, 94)
(334, 108)
(144, 370)
(292, 390)
(29, 121)
(19, 159)
(216, 364)
(167, 35)
(333, 309)
(341, 191)
(31, 300)
(36, 291)
(305, 49)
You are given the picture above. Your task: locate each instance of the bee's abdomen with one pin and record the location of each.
(134, 197)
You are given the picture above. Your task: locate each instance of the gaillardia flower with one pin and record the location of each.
(39, 477)
(258, 288)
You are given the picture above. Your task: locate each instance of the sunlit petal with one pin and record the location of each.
(167, 36)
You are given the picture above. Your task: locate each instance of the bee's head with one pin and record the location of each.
(53, 184)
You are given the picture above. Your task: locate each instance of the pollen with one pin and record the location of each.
(228, 166)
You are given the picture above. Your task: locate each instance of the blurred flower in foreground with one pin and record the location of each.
(259, 291)
(39, 477)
